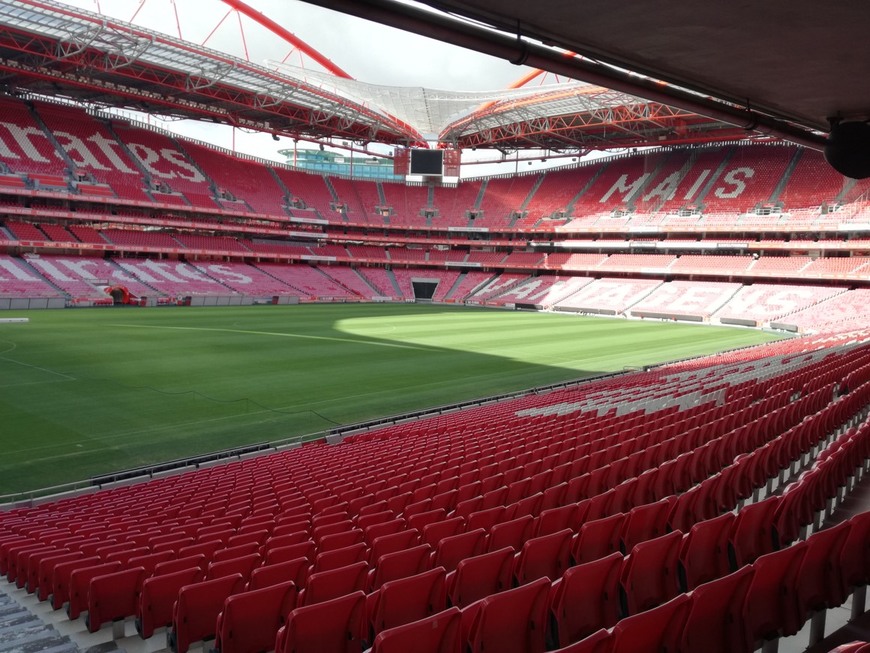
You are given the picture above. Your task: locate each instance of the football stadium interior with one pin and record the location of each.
(688, 504)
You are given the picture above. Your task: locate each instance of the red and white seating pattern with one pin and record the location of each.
(467, 285)
(543, 291)
(93, 149)
(80, 277)
(848, 310)
(612, 296)
(686, 298)
(16, 280)
(245, 279)
(310, 281)
(765, 302)
(173, 278)
(24, 146)
(165, 163)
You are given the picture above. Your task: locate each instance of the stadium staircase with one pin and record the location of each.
(786, 176)
(22, 631)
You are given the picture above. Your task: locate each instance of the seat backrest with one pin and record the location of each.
(306, 549)
(486, 518)
(439, 633)
(80, 582)
(197, 608)
(556, 519)
(820, 579)
(450, 551)
(250, 620)
(597, 539)
(513, 620)
(649, 574)
(113, 596)
(401, 564)
(340, 557)
(177, 564)
(770, 608)
(326, 585)
(243, 565)
(657, 629)
(332, 626)
(644, 523)
(586, 598)
(295, 570)
(394, 542)
(713, 622)
(437, 531)
(704, 552)
(513, 533)
(480, 576)
(546, 556)
(752, 532)
(158, 596)
(402, 601)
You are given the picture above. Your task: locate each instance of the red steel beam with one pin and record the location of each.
(287, 35)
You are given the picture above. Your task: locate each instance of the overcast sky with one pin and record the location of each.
(368, 51)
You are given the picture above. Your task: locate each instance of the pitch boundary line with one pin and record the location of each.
(273, 333)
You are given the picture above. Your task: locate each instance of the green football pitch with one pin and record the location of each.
(90, 391)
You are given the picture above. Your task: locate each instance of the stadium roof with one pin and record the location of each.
(47, 47)
(707, 73)
(52, 48)
(783, 67)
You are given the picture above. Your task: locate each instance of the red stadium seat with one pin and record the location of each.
(657, 629)
(715, 614)
(644, 523)
(80, 582)
(819, 578)
(158, 597)
(439, 633)
(450, 551)
(330, 584)
(514, 621)
(399, 541)
(547, 556)
(250, 621)
(598, 538)
(513, 533)
(194, 615)
(340, 557)
(649, 574)
(113, 596)
(242, 565)
(771, 607)
(480, 576)
(295, 570)
(586, 599)
(400, 564)
(704, 553)
(752, 532)
(402, 601)
(333, 626)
